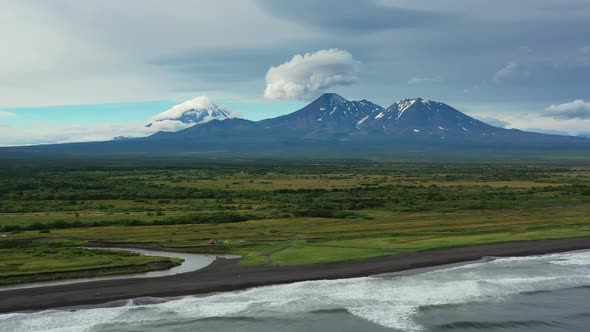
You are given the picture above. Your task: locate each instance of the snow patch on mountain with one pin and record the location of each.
(362, 120)
(189, 113)
(403, 105)
(342, 109)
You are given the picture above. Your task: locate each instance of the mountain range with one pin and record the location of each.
(332, 119)
(328, 125)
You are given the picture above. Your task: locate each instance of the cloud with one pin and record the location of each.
(168, 125)
(197, 110)
(539, 123)
(511, 70)
(198, 103)
(43, 132)
(6, 114)
(577, 109)
(47, 129)
(60, 52)
(424, 80)
(305, 75)
(494, 121)
(352, 15)
(549, 131)
(524, 117)
(49, 133)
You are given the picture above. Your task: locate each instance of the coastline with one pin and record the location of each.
(190, 262)
(228, 275)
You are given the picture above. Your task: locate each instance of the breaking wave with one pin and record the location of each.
(530, 324)
(391, 302)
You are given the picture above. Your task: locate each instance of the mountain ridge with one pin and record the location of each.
(332, 125)
(332, 117)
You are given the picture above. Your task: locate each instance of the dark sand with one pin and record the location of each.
(228, 275)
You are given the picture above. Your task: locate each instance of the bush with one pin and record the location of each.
(217, 218)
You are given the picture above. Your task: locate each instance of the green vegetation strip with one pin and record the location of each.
(27, 261)
(279, 214)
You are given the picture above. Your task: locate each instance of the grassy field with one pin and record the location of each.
(25, 261)
(282, 214)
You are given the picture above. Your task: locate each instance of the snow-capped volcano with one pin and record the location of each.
(426, 117)
(191, 112)
(331, 118)
(328, 115)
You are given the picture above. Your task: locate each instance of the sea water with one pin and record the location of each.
(536, 293)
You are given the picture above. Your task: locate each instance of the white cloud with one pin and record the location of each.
(532, 122)
(493, 121)
(537, 123)
(169, 125)
(47, 133)
(305, 75)
(521, 117)
(198, 103)
(577, 109)
(61, 52)
(197, 110)
(548, 125)
(424, 80)
(511, 70)
(50, 133)
(43, 132)
(6, 114)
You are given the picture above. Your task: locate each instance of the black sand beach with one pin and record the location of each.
(228, 275)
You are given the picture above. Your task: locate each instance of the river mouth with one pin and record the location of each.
(192, 262)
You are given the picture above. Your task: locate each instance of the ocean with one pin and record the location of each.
(535, 293)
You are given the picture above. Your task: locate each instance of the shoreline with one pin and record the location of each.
(191, 262)
(228, 275)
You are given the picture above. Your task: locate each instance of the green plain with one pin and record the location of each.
(280, 214)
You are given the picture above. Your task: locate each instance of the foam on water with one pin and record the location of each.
(393, 302)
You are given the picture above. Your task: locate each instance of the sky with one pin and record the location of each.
(79, 70)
